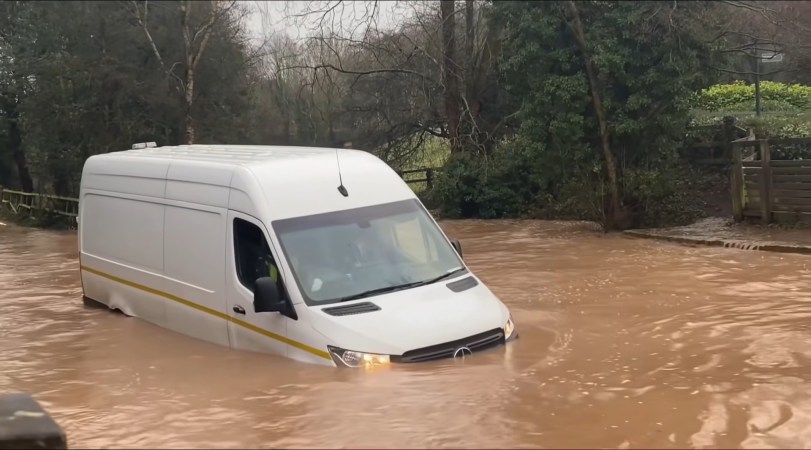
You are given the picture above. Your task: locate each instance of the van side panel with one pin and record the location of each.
(194, 258)
(122, 246)
(124, 231)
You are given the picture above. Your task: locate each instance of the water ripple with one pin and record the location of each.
(624, 343)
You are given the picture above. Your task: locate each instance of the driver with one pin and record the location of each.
(273, 271)
(268, 266)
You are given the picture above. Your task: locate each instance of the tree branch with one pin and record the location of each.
(185, 10)
(144, 25)
(357, 72)
(760, 10)
(206, 30)
(736, 72)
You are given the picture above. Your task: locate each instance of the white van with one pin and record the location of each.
(191, 238)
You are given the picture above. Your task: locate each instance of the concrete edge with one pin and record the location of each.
(726, 243)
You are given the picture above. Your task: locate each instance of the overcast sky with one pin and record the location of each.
(346, 14)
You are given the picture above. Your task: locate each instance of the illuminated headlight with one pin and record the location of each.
(509, 329)
(349, 358)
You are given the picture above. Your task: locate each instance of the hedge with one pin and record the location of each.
(734, 95)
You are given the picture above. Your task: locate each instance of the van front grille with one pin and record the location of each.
(475, 343)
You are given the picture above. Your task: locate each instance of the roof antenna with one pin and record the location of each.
(341, 187)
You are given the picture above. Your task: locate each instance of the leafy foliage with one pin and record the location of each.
(649, 64)
(80, 78)
(785, 108)
(87, 82)
(740, 96)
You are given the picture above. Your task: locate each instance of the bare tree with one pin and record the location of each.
(749, 28)
(388, 90)
(450, 72)
(195, 40)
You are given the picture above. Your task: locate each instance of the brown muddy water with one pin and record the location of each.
(624, 343)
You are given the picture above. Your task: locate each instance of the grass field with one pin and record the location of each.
(434, 154)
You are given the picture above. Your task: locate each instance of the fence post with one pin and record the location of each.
(765, 182)
(429, 178)
(736, 182)
(729, 136)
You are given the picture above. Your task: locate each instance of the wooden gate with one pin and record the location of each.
(771, 190)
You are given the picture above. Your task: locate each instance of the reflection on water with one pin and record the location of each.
(624, 343)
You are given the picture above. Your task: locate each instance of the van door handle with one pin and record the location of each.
(239, 310)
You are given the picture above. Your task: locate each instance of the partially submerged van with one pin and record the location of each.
(321, 255)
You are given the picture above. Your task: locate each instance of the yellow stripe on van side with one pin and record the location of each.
(221, 315)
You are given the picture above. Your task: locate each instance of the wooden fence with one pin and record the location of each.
(771, 190)
(710, 145)
(428, 175)
(21, 203)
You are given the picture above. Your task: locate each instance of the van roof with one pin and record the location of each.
(297, 181)
(231, 155)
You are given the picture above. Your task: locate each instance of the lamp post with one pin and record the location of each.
(761, 57)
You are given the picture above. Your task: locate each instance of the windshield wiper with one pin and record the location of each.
(382, 290)
(400, 287)
(441, 277)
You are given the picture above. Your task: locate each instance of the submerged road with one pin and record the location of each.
(624, 343)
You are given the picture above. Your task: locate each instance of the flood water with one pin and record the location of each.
(623, 343)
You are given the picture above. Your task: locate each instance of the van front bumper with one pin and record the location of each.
(453, 349)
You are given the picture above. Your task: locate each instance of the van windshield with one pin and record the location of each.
(366, 251)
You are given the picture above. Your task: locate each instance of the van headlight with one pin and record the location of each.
(351, 358)
(509, 329)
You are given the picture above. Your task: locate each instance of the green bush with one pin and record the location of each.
(514, 182)
(504, 184)
(732, 96)
(766, 106)
(795, 126)
(768, 125)
(668, 197)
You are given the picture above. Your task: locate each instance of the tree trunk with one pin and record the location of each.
(450, 73)
(286, 115)
(471, 124)
(188, 136)
(60, 185)
(470, 59)
(194, 52)
(617, 217)
(16, 146)
(288, 138)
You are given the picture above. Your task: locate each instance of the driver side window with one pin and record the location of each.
(253, 257)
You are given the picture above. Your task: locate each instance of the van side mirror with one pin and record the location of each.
(266, 298)
(458, 246)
